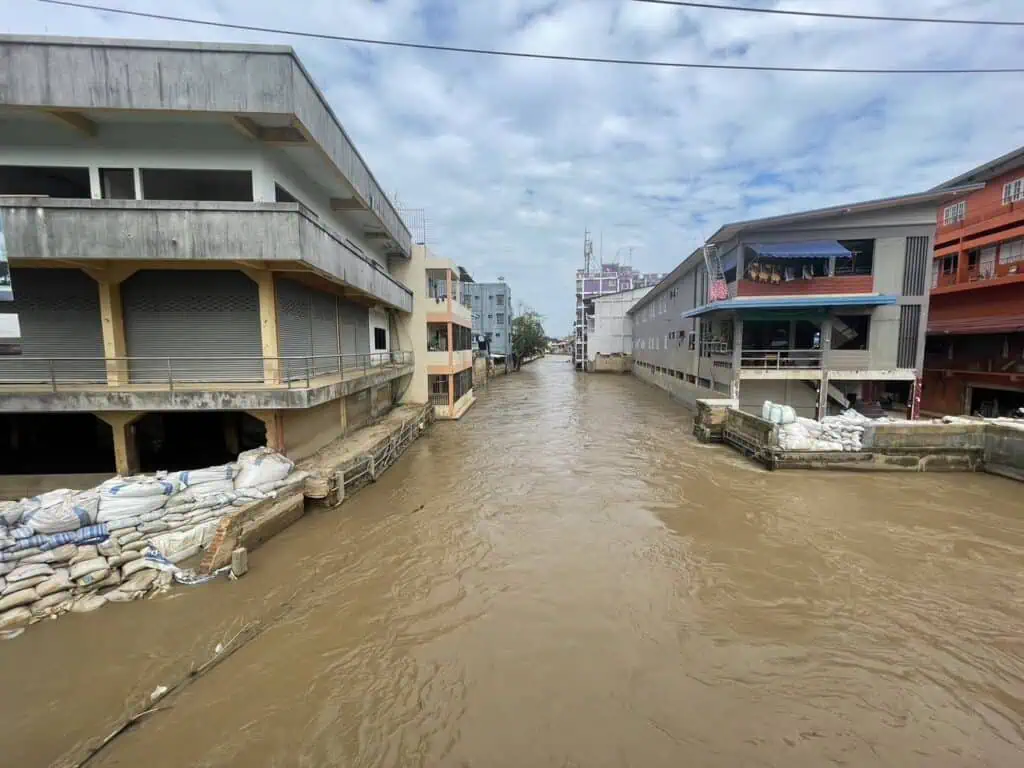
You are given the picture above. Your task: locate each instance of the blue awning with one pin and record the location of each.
(812, 249)
(793, 302)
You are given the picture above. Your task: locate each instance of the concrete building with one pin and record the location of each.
(201, 259)
(814, 309)
(610, 340)
(440, 333)
(492, 318)
(591, 284)
(974, 362)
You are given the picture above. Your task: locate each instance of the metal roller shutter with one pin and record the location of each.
(355, 328)
(325, 331)
(201, 318)
(59, 314)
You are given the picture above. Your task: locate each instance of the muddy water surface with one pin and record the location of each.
(565, 578)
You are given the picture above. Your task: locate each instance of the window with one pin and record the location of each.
(950, 264)
(863, 257)
(44, 181)
(692, 341)
(380, 339)
(1011, 252)
(1013, 191)
(117, 183)
(497, 334)
(954, 213)
(500, 300)
(499, 318)
(850, 332)
(183, 184)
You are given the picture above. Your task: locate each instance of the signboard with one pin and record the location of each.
(10, 330)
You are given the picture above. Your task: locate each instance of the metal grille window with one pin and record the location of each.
(915, 266)
(910, 321)
(951, 214)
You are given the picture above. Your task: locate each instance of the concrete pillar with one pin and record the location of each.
(273, 422)
(126, 452)
(343, 415)
(451, 394)
(737, 345)
(264, 280)
(822, 397)
(108, 282)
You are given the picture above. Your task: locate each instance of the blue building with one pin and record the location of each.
(492, 317)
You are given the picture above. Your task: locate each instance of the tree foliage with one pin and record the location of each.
(528, 338)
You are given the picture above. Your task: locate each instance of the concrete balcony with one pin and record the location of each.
(442, 310)
(182, 384)
(159, 233)
(439, 363)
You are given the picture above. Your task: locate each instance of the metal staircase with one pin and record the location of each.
(718, 290)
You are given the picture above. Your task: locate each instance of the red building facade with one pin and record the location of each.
(974, 361)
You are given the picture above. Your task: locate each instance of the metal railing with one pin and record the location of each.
(439, 399)
(193, 372)
(780, 359)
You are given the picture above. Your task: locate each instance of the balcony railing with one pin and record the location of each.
(191, 373)
(439, 399)
(780, 359)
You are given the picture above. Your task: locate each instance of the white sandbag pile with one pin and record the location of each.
(844, 432)
(76, 550)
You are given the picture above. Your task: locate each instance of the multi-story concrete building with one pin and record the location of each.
(492, 318)
(610, 342)
(975, 357)
(440, 333)
(591, 284)
(201, 260)
(811, 309)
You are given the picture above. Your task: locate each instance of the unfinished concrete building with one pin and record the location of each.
(201, 260)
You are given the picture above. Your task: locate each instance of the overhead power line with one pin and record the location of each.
(526, 55)
(829, 15)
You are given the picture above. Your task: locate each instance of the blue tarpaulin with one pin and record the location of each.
(812, 249)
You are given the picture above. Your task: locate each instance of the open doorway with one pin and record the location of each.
(187, 440)
(995, 402)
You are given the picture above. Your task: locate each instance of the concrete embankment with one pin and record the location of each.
(964, 445)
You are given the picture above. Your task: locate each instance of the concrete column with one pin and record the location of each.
(451, 394)
(961, 267)
(264, 280)
(737, 345)
(823, 397)
(273, 423)
(126, 452)
(343, 414)
(108, 282)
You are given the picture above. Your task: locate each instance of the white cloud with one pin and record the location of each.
(514, 158)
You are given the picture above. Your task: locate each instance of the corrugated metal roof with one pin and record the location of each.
(793, 302)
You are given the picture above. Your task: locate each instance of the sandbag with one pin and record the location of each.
(22, 597)
(113, 579)
(93, 579)
(14, 618)
(133, 567)
(121, 595)
(88, 603)
(128, 538)
(121, 523)
(61, 510)
(261, 465)
(11, 512)
(60, 554)
(108, 548)
(114, 507)
(125, 557)
(140, 581)
(32, 581)
(78, 570)
(56, 583)
(29, 571)
(87, 552)
(44, 605)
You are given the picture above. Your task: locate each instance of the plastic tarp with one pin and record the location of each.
(811, 249)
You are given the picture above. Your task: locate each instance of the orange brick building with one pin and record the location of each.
(974, 359)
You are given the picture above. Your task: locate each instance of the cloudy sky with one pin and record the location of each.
(512, 159)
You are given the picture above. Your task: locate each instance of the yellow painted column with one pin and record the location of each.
(274, 428)
(264, 280)
(126, 451)
(115, 350)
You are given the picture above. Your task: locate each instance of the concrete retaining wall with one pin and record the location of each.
(1004, 451)
(686, 393)
(910, 435)
(612, 364)
(753, 435)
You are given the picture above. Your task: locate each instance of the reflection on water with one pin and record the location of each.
(566, 578)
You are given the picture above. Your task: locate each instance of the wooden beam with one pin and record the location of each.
(347, 204)
(76, 120)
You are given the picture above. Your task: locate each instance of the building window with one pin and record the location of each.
(1013, 191)
(951, 214)
(380, 339)
(497, 334)
(499, 318)
(500, 299)
(1011, 252)
(950, 264)
(850, 332)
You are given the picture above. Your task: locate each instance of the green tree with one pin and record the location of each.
(528, 338)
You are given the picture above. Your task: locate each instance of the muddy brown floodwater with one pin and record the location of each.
(565, 578)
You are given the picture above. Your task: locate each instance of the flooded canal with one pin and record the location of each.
(565, 578)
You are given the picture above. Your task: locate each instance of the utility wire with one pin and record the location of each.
(525, 55)
(828, 15)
